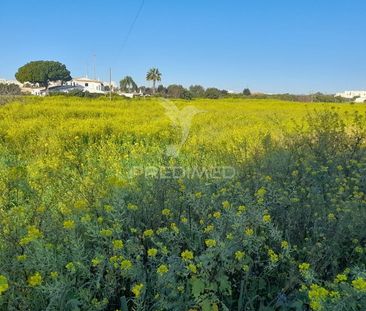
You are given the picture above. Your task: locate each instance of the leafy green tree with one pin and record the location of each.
(213, 93)
(43, 72)
(127, 84)
(178, 91)
(247, 92)
(197, 91)
(153, 75)
(162, 90)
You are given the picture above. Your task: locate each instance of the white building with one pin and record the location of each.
(89, 85)
(4, 81)
(360, 96)
(351, 94)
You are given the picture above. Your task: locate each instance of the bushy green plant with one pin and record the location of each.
(76, 233)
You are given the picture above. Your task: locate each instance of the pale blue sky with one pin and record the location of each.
(297, 46)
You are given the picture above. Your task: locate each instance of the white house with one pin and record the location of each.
(360, 96)
(4, 81)
(89, 85)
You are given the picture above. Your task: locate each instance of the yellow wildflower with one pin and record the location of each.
(217, 215)
(317, 296)
(96, 261)
(340, 278)
(210, 243)
(267, 218)
(117, 244)
(174, 227)
(4, 286)
(304, 267)
(331, 217)
(187, 255)
(198, 195)
(70, 267)
(359, 284)
(69, 224)
(166, 212)
(284, 244)
(108, 208)
(106, 232)
(132, 207)
(162, 269)
(226, 204)
(152, 252)
(192, 267)
(81, 204)
(148, 233)
(35, 279)
(273, 256)
(126, 264)
(239, 255)
(54, 274)
(249, 231)
(209, 228)
(22, 258)
(86, 218)
(136, 289)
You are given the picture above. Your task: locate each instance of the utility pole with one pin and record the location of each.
(94, 61)
(110, 83)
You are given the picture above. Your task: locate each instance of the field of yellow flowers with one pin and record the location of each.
(92, 217)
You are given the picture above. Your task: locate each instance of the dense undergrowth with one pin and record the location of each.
(79, 233)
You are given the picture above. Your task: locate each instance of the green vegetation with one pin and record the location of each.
(127, 84)
(153, 75)
(88, 223)
(42, 73)
(10, 89)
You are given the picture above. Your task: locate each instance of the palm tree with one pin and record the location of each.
(153, 75)
(128, 85)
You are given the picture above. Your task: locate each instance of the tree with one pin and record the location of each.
(43, 72)
(153, 75)
(178, 91)
(213, 93)
(197, 91)
(247, 92)
(224, 92)
(128, 85)
(162, 90)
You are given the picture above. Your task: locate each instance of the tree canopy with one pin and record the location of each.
(247, 92)
(197, 91)
(178, 91)
(213, 93)
(127, 84)
(43, 72)
(153, 75)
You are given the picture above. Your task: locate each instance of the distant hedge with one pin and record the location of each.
(10, 89)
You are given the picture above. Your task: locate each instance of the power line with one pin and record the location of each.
(132, 25)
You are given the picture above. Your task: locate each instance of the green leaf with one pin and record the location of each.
(124, 306)
(224, 284)
(198, 287)
(206, 305)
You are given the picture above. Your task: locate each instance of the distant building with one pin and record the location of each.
(4, 81)
(89, 85)
(359, 96)
(112, 83)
